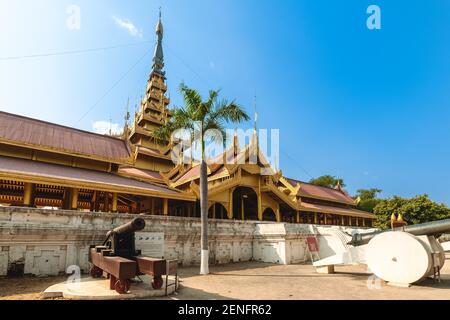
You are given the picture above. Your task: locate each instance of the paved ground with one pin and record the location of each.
(300, 282)
(265, 281)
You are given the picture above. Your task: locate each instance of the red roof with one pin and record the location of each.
(194, 172)
(191, 173)
(76, 176)
(140, 173)
(27, 132)
(312, 191)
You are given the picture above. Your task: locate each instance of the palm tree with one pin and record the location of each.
(198, 116)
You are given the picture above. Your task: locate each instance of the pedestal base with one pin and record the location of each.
(325, 270)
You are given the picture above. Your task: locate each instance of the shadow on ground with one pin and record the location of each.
(192, 294)
(26, 287)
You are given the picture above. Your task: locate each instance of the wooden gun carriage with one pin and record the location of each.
(120, 260)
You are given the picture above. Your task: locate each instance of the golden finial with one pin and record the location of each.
(159, 26)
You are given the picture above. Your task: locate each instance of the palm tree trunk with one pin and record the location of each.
(204, 266)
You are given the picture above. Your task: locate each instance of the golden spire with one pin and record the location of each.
(159, 26)
(158, 56)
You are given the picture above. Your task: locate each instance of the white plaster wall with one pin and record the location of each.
(298, 252)
(47, 242)
(286, 243)
(280, 243)
(4, 259)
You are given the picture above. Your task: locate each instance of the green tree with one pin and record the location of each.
(198, 116)
(419, 209)
(327, 181)
(367, 194)
(368, 199)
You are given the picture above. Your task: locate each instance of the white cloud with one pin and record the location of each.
(129, 26)
(104, 127)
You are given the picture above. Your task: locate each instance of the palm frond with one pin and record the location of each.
(213, 95)
(192, 99)
(212, 114)
(229, 112)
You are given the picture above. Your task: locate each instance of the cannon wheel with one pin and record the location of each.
(96, 272)
(122, 286)
(157, 282)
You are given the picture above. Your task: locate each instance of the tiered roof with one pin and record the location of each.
(27, 132)
(41, 172)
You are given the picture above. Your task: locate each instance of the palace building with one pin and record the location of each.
(46, 165)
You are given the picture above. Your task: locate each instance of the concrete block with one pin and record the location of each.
(98, 289)
(325, 270)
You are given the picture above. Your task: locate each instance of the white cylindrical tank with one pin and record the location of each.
(399, 257)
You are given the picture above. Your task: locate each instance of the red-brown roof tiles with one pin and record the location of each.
(39, 134)
(191, 173)
(312, 191)
(41, 170)
(140, 173)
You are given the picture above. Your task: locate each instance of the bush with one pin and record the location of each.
(417, 210)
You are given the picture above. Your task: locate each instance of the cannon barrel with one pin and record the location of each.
(133, 226)
(424, 229)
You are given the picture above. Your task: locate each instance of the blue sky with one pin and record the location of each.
(368, 106)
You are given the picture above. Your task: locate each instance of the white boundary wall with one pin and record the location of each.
(46, 242)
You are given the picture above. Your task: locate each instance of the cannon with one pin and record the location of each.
(120, 241)
(118, 258)
(435, 228)
(401, 257)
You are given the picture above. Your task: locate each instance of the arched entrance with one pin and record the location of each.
(217, 211)
(245, 204)
(269, 215)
